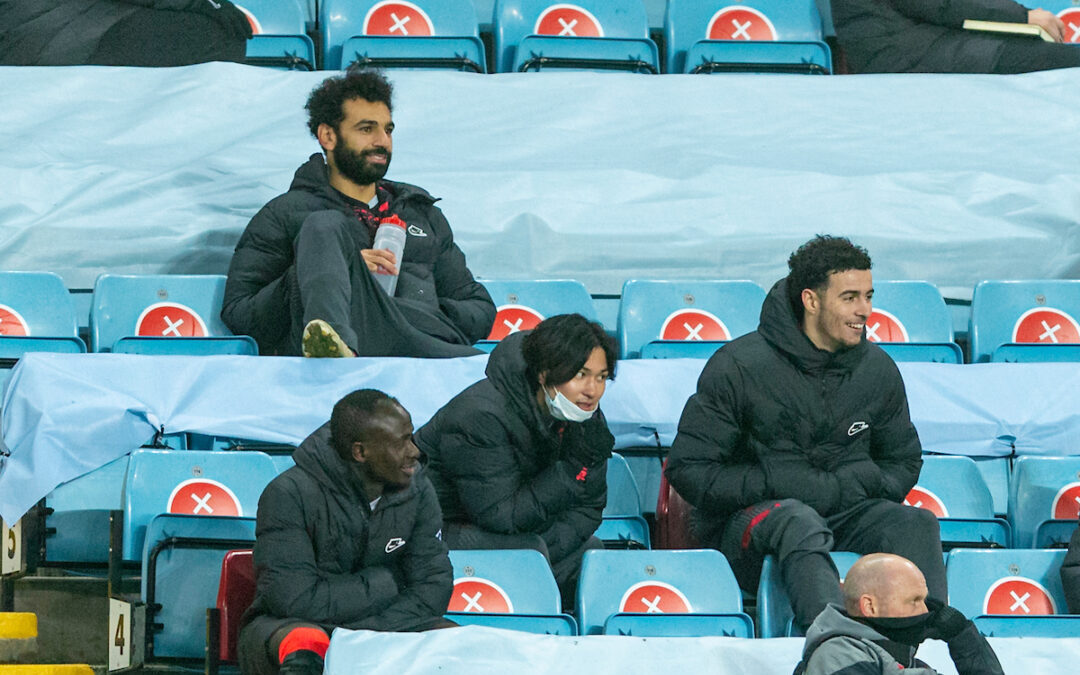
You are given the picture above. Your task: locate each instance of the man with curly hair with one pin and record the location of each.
(301, 279)
(798, 440)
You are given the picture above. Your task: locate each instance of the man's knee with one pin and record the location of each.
(323, 225)
(781, 525)
(909, 522)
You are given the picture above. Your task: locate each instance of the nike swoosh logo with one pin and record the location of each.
(857, 427)
(394, 544)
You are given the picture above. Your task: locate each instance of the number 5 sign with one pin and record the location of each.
(13, 560)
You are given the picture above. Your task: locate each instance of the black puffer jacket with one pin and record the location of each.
(927, 36)
(322, 555)
(498, 462)
(1070, 574)
(433, 278)
(775, 417)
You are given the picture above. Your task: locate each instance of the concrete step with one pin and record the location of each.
(18, 636)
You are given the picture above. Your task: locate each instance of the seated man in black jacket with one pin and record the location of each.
(348, 537)
(301, 277)
(927, 36)
(798, 440)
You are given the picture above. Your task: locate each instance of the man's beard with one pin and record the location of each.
(354, 165)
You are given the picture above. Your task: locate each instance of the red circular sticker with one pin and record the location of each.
(654, 597)
(1046, 325)
(1071, 18)
(12, 323)
(1018, 596)
(740, 23)
(474, 594)
(170, 319)
(693, 325)
(921, 498)
(568, 21)
(397, 18)
(510, 319)
(1067, 502)
(883, 326)
(203, 497)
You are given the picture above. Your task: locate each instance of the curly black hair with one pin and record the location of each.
(325, 105)
(812, 264)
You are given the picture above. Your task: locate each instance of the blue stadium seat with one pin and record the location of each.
(996, 473)
(1030, 627)
(623, 525)
(524, 303)
(511, 589)
(586, 35)
(651, 594)
(1044, 500)
(36, 315)
(718, 36)
(440, 34)
(912, 323)
(1025, 321)
(775, 617)
(1013, 584)
(162, 314)
(280, 37)
(77, 514)
(953, 489)
(678, 316)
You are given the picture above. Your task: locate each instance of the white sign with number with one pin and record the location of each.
(119, 634)
(12, 560)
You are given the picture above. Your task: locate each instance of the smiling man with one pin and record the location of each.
(350, 537)
(798, 440)
(301, 279)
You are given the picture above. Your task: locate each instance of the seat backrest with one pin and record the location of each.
(525, 303)
(343, 19)
(1013, 582)
(1042, 488)
(236, 592)
(1040, 312)
(908, 311)
(688, 21)
(516, 19)
(36, 304)
(514, 581)
(673, 518)
(685, 309)
(671, 582)
(274, 17)
(155, 305)
(190, 482)
(951, 487)
(623, 498)
(775, 615)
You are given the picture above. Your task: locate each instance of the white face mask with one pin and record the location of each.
(562, 408)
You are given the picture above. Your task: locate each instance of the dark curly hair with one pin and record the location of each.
(560, 345)
(817, 259)
(325, 105)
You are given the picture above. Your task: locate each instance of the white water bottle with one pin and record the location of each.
(390, 236)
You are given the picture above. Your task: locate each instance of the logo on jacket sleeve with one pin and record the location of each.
(857, 427)
(394, 544)
(415, 231)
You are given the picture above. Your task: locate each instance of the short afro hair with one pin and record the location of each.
(354, 415)
(818, 259)
(560, 345)
(326, 103)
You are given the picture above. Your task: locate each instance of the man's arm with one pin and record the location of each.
(576, 524)
(953, 13)
(1070, 574)
(255, 301)
(894, 445)
(463, 299)
(847, 655)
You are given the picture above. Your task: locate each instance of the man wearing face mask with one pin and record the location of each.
(519, 459)
(886, 615)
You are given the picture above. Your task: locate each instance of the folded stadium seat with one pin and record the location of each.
(164, 314)
(77, 515)
(774, 614)
(673, 518)
(953, 489)
(996, 472)
(523, 304)
(911, 322)
(1044, 501)
(684, 318)
(512, 589)
(441, 34)
(236, 592)
(531, 35)
(722, 36)
(660, 594)
(1011, 592)
(36, 315)
(623, 525)
(1024, 321)
(280, 38)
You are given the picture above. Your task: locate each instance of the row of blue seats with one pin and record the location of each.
(1010, 320)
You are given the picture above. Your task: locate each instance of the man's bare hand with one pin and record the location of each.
(1050, 23)
(379, 257)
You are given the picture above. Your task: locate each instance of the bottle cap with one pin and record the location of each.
(392, 219)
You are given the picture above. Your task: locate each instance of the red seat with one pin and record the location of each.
(236, 592)
(673, 518)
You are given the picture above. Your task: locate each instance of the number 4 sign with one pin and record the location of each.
(126, 634)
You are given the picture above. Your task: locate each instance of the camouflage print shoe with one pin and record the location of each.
(322, 341)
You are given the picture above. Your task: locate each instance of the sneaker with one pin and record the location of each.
(321, 341)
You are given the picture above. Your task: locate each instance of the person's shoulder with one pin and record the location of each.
(878, 362)
(408, 191)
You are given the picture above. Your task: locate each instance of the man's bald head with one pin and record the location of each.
(884, 585)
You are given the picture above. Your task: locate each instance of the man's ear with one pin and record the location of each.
(867, 606)
(542, 379)
(359, 454)
(810, 301)
(327, 137)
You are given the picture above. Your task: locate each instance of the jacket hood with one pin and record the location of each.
(833, 622)
(780, 328)
(506, 372)
(313, 176)
(317, 456)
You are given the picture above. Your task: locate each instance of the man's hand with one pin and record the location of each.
(944, 622)
(1049, 22)
(379, 257)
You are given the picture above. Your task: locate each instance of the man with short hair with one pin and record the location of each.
(301, 277)
(351, 536)
(886, 615)
(798, 440)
